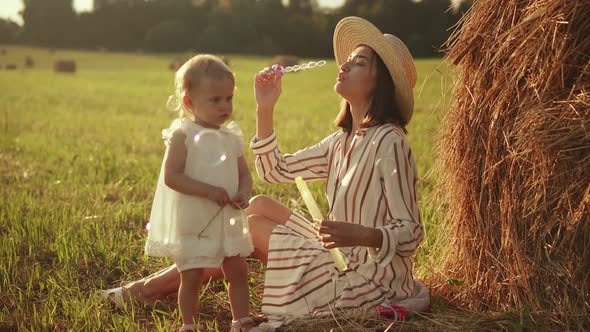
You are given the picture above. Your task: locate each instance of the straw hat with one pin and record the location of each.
(353, 31)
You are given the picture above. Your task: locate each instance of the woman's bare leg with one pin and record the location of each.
(264, 214)
(155, 287)
(161, 284)
(268, 208)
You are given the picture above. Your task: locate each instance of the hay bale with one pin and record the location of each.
(11, 66)
(29, 62)
(64, 66)
(286, 60)
(175, 65)
(3, 51)
(515, 159)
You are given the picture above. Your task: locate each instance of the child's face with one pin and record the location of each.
(212, 101)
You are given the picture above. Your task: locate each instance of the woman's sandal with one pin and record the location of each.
(247, 324)
(122, 296)
(115, 295)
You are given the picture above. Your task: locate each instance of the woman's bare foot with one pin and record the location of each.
(130, 291)
(124, 283)
(157, 286)
(136, 290)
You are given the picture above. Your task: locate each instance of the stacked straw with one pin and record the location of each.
(515, 159)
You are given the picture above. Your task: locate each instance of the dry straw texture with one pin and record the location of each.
(515, 159)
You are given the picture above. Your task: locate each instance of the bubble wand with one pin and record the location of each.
(280, 71)
(316, 214)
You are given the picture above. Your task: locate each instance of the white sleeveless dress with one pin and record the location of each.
(192, 230)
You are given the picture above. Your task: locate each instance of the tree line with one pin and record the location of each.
(264, 27)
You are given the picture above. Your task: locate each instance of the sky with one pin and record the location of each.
(9, 8)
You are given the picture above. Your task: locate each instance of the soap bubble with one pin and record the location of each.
(279, 70)
(211, 147)
(240, 219)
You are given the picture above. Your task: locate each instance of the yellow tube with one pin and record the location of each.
(316, 214)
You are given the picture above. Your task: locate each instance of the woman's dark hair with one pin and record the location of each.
(383, 108)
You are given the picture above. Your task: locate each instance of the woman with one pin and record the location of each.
(371, 187)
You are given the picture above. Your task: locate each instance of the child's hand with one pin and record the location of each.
(240, 201)
(219, 196)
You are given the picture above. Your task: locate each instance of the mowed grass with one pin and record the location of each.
(79, 159)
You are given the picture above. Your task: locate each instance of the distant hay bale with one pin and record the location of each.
(3, 51)
(29, 62)
(11, 66)
(515, 159)
(286, 60)
(64, 66)
(175, 65)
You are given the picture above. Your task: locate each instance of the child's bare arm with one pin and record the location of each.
(175, 178)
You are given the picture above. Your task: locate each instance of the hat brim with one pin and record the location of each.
(352, 32)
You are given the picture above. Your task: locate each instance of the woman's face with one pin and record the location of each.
(357, 76)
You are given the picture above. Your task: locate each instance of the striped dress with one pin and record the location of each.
(373, 184)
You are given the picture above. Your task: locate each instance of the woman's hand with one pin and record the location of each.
(219, 196)
(335, 234)
(240, 201)
(267, 88)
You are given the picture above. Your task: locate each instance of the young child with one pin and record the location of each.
(204, 182)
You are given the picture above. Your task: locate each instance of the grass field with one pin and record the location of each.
(79, 160)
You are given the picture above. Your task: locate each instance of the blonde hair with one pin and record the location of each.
(191, 73)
